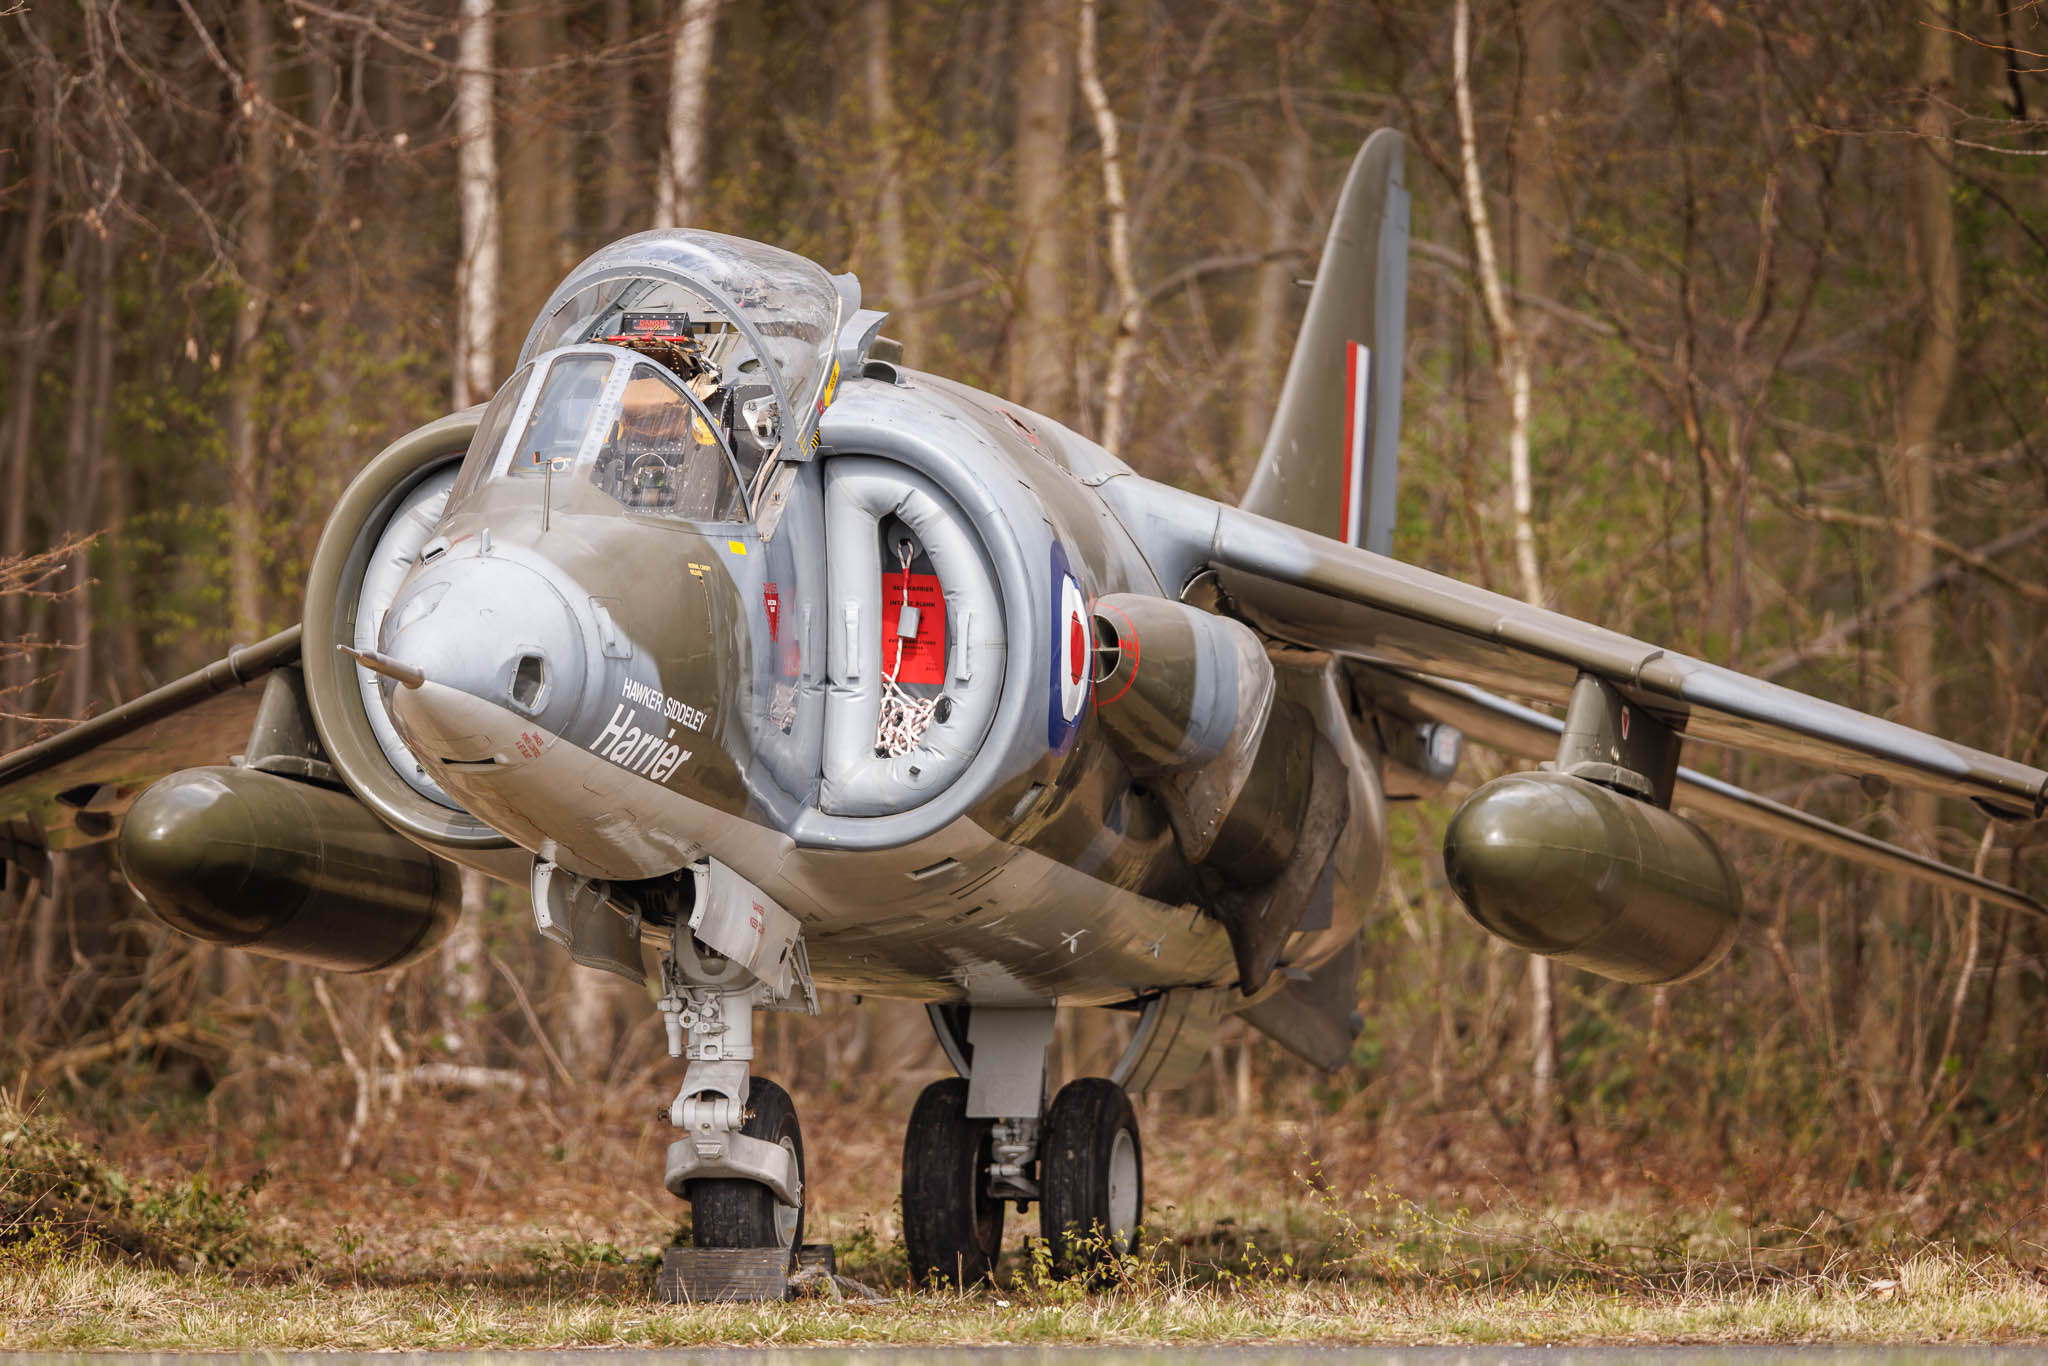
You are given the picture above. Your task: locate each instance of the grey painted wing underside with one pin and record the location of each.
(100, 765)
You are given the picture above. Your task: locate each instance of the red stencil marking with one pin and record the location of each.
(924, 656)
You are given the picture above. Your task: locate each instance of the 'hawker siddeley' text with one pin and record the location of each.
(667, 708)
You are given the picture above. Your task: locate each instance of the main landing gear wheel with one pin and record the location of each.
(952, 1226)
(1091, 1177)
(734, 1212)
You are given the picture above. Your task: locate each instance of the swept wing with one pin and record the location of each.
(72, 788)
(1447, 645)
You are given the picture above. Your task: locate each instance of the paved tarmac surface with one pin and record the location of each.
(1098, 1356)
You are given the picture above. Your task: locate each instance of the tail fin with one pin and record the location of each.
(1329, 464)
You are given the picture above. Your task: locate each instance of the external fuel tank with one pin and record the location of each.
(1592, 877)
(286, 869)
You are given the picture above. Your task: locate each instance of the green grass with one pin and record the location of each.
(58, 1193)
(86, 1300)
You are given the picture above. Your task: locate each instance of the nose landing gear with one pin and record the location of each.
(741, 1212)
(740, 1162)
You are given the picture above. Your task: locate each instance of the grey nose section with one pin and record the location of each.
(489, 630)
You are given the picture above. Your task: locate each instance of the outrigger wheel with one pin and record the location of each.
(1091, 1177)
(735, 1212)
(952, 1226)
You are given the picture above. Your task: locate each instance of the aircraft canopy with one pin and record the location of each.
(596, 417)
(763, 315)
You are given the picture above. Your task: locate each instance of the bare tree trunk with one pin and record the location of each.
(621, 162)
(43, 974)
(536, 180)
(253, 262)
(1273, 295)
(82, 463)
(97, 462)
(1130, 313)
(890, 225)
(1039, 346)
(1927, 393)
(125, 673)
(682, 171)
(1510, 344)
(1512, 365)
(330, 282)
(463, 968)
(28, 365)
(476, 175)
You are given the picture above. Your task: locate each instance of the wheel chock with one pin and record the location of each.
(707, 1275)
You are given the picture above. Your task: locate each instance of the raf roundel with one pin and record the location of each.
(1072, 645)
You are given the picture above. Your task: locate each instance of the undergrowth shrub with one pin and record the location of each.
(59, 1195)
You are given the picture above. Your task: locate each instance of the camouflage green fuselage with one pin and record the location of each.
(706, 682)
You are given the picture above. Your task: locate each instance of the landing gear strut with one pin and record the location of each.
(740, 1163)
(987, 1137)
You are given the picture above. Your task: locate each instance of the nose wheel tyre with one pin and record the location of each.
(733, 1212)
(952, 1226)
(1091, 1177)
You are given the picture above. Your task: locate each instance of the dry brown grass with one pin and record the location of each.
(508, 1223)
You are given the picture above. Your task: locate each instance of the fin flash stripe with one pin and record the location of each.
(1357, 397)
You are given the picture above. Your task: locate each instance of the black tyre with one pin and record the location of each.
(1091, 1177)
(952, 1227)
(739, 1213)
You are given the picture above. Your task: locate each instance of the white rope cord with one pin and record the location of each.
(904, 718)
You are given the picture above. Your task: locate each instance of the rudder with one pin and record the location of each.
(1330, 460)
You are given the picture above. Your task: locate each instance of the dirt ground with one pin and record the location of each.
(482, 1180)
(491, 1220)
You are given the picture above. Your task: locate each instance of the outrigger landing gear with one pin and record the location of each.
(740, 1163)
(987, 1137)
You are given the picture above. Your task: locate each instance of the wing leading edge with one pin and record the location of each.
(1446, 643)
(71, 788)
(1327, 595)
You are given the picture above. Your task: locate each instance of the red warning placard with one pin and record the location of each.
(924, 656)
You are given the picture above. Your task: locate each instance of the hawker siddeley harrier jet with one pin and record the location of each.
(772, 665)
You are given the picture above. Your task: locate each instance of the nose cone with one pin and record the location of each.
(483, 630)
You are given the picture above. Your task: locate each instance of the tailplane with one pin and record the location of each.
(1329, 464)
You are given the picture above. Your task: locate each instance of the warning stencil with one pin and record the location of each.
(924, 656)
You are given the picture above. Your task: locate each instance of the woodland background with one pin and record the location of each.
(1728, 328)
